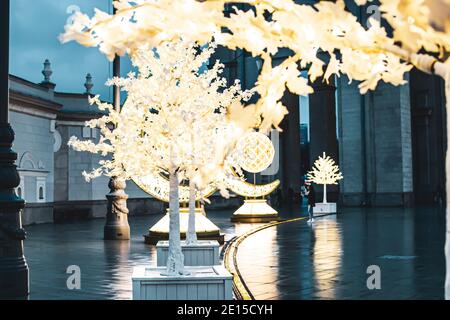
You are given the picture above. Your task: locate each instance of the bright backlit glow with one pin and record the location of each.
(325, 171)
(255, 207)
(255, 151)
(202, 223)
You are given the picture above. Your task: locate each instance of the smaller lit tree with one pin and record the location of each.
(325, 171)
(178, 122)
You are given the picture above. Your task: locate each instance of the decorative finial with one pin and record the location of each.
(47, 72)
(88, 84)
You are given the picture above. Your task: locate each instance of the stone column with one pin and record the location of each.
(352, 143)
(375, 145)
(290, 143)
(322, 118)
(13, 266)
(117, 227)
(388, 146)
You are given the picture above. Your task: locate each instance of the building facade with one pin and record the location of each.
(51, 173)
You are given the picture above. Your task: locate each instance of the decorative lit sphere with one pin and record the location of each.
(255, 152)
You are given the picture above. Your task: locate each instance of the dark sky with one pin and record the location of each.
(35, 26)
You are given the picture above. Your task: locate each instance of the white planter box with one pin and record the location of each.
(325, 208)
(203, 253)
(203, 283)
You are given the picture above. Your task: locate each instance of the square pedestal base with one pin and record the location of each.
(203, 283)
(325, 208)
(202, 253)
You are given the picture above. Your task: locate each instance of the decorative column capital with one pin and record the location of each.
(116, 184)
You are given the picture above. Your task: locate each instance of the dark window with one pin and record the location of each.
(41, 193)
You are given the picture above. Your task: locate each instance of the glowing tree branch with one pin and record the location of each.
(325, 171)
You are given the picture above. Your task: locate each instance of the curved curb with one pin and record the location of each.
(240, 288)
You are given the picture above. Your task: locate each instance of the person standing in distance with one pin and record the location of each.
(311, 195)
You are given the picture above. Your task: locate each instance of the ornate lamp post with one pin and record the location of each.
(13, 266)
(116, 226)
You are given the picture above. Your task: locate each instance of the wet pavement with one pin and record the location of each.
(329, 259)
(106, 266)
(291, 261)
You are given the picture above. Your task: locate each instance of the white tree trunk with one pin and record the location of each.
(175, 260)
(324, 193)
(191, 236)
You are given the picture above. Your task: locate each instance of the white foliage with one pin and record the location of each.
(325, 171)
(177, 120)
(305, 29)
(170, 105)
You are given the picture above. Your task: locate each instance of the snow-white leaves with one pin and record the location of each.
(325, 171)
(324, 28)
(295, 82)
(412, 21)
(176, 115)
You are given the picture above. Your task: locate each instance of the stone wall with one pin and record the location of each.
(34, 146)
(69, 167)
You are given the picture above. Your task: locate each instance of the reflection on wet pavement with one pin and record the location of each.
(329, 259)
(106, 266)
(291, 261)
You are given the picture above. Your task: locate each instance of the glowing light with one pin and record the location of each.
(157, 186)
(255, 207)
(255, 152)
(246, 189)
(202, 224)
(325, 171)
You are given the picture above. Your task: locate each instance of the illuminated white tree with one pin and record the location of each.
(325, 171)
(175, 121)
(364, 54)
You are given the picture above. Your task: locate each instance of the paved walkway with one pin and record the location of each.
(329, 259)
(291, 261)
(106, 266)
